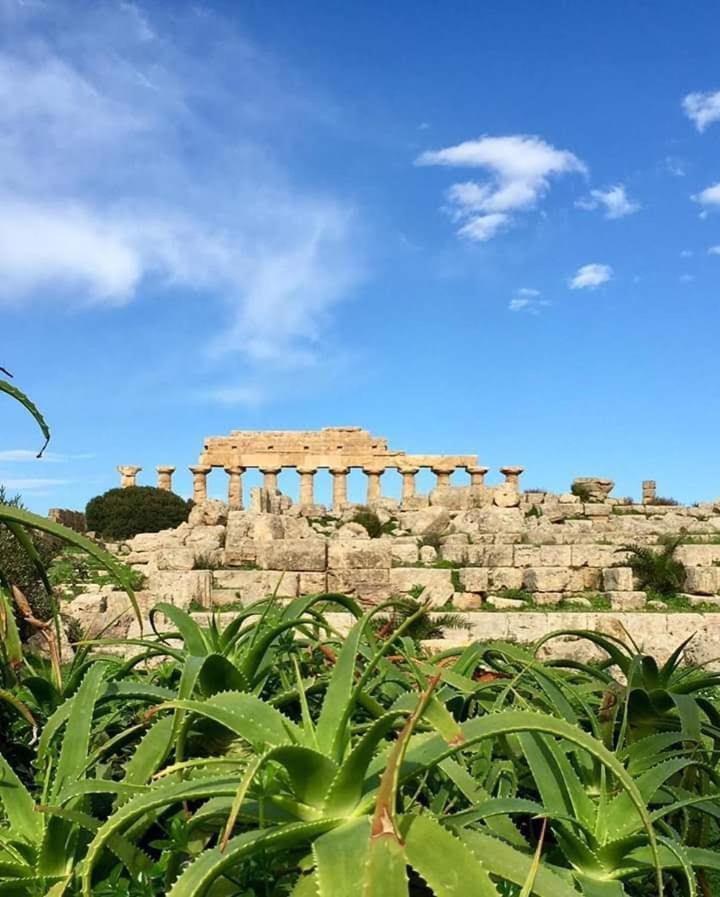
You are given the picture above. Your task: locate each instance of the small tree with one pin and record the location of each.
(657, 571)
(123, 513)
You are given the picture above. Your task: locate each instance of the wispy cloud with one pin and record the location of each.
(527, 300)
(28, 455)
(520, 168)
(614, 201)
(149, 167)
(674, 166)
(589, 277)
(31, 483)
(244, 394)
(714, 250)
(702, 108)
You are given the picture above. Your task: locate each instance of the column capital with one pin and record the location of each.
(200, 468)
(234, 468)
(511, 471)
(443, 467)
(128, 470)
(165, 468)
(270, 468)
(477, 468)
(338, 470)
(306, 470)
(374, 469)
(410, 469)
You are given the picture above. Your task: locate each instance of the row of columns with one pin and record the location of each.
(200, 473)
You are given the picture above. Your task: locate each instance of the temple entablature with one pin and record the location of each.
(336, 449)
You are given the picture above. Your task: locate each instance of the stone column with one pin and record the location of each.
(164, 480)
(408, 482)
(649, 491)
(512, 476)
(270, 478)
(307, 494)
(442, 472)
(200, 472)
(374, 490)
(128, 475)
(235, 493)
(339, 487)
(477, 475)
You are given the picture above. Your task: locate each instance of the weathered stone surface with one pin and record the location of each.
(467, 600)
(208, 513)
(428, 554)
(403, 579)
(437, 594)
(404, 551)
(625, 601)
(431, 521)
(175, 559)
(312, 583)
(475, 579)
(698, 555)
(702, 580)
(597, 488)
(618, 579)
(504, 578)
(502, 603)
(361, 554)
(370, 585)
(352, 531)
(505, 497)
(546, 579)
(300, 555)
(252, 585)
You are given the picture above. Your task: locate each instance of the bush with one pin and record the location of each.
(657, 571)
(370, 520)
(583, 492)
(123, 513)
(659, 500)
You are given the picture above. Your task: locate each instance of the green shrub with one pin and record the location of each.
(657, 571)
(370, 520)
(122, 513)
(582, 491)
(659, 500)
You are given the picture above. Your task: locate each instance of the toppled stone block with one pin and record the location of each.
(437, 595)
(404, 551)
(618, 579)
(175, 559)
(505, 497)
(361, 554)
(206, 538)
(428, 554)
(351, 531)
(502, 603)
(625, 601)
(431, 521)
(593, 488)
(468, 600)
(208, 513)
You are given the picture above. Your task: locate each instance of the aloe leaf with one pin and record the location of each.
(443, 860)
(18, 805)
(341, 857)
(33, 521)
(211, 864)
(150, 753)
(385, 873)
(191, 634)
(11, 643)
(30, 406)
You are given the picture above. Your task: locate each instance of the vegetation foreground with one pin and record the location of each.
(277, 757)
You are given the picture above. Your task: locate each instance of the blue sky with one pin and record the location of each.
(488, 228)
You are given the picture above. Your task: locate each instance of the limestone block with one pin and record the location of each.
(351, 531)
(431, 521)
(206, 537)
(181, 588)
(437, 595)
(402, 579)
(244, 551)
(625, 601)
(267, 527)
(698, 555)
(428, 554)
(296, 554)
(567, 498)
(500, 520)
(597, 510)
(585, 579)
(618, 579)
(701, 600)
(555, 555)
(499, 556)
(467, 600)
(502, 603)
(208, 513)
(505, 497)
(546, 579)
(703, 580)
(145, 542)
(597, 488)
(548, 599)
(475, 579)
(454, 548)
(593, 555)
(577, 601)
(175, 559)
(527, 556)
(312, 583)
(369, 586)
(404, 551)
(505, 578)
(248, 586)
(358, 554)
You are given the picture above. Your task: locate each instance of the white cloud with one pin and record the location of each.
(702, 108)
(30, 483)
(520, 169)
(686, 253)
(614, 201)
(710, 196)
(148, 167)
(686, 278)
(675, 166)
(714, 250)
(23, 455)
(590, 277)
(244, 394)
(527, 300)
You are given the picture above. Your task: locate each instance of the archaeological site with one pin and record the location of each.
(515, 564)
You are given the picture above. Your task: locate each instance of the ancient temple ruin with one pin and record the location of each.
(337, 449)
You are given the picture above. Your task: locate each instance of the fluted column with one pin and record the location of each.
(164, 477)
(200, 472)
(443, 472)
(307, 492)
(235, 493)
(270, 478)
(374, 489)
(339, 487)
(408, 482)
(128, 475)
(512, 476)
(477, 475)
